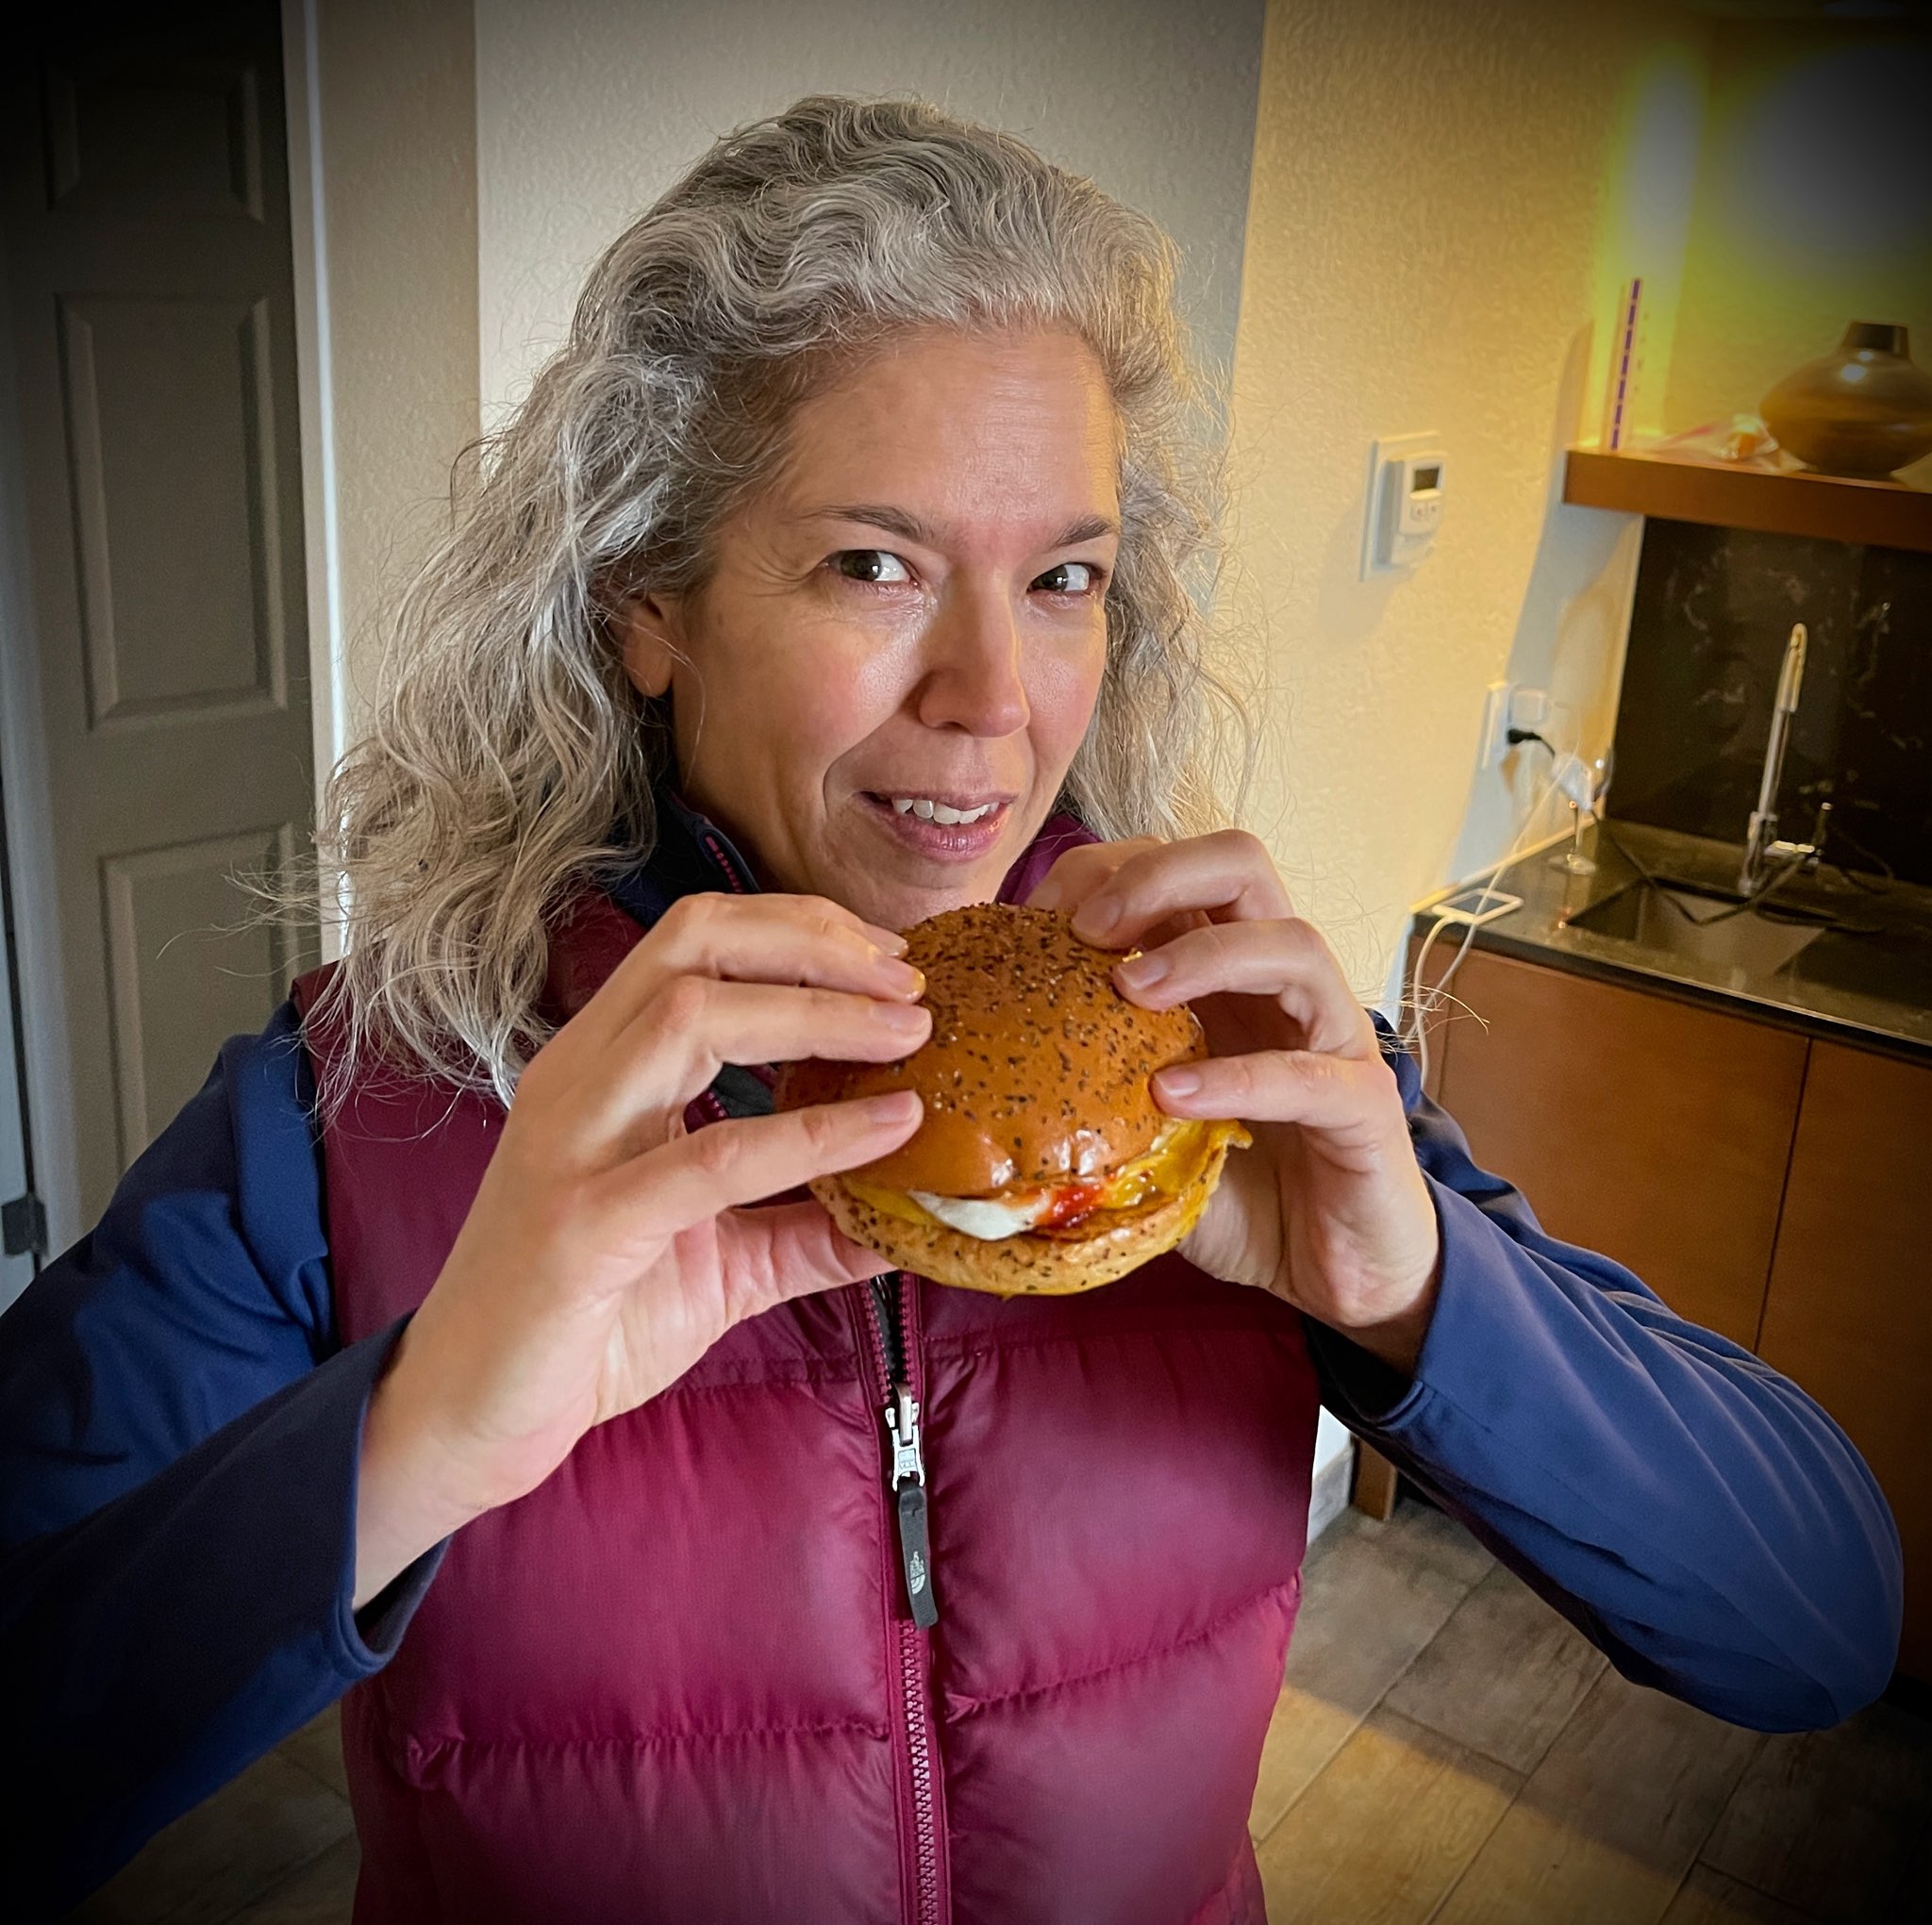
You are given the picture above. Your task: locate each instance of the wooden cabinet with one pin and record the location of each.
(1849, 1312)
(1772, 1187)
(1651, 1130)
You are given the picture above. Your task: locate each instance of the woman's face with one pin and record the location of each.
(879, 691)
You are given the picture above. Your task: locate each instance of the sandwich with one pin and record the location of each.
(1042, 1164)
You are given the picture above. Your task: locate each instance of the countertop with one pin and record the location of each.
(1865, 978)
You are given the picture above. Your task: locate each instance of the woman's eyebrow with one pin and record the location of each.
(1086, 528)
(909, 527)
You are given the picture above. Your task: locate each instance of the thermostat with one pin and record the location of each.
(1405, 506)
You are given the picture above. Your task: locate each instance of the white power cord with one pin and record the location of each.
(1414, 1036)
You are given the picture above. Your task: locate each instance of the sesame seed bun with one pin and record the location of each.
(1036, 1074)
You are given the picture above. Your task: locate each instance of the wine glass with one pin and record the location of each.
(1573, 861)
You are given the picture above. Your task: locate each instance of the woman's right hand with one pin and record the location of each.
(607, 1250)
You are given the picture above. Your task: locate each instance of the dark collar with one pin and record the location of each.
(692, 855)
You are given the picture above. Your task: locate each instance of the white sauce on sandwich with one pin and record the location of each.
(985, 1218)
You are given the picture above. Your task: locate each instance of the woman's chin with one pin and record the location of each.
(897, 905)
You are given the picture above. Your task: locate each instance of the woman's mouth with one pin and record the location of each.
(943, 828)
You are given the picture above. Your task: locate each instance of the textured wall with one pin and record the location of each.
(1814, 208)
(394, 93)
(1435, 215)
(587, 110)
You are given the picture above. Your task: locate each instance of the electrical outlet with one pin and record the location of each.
(1492, 743)
(1529, 707)
(1507, 705)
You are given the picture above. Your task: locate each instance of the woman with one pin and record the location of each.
(832, 573)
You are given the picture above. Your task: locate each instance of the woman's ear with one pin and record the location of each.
(650, 640)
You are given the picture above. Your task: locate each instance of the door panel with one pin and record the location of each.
(180, 592)
(175, 947)
(1849, 1315)
(146, 232)
(159, 135)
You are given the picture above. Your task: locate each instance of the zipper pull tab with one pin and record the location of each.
(908, 1486)
(903, 1423)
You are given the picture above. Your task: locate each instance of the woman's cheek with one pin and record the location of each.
(1063, 692)
(835, 673)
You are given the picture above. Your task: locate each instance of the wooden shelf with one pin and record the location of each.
(1729, 494)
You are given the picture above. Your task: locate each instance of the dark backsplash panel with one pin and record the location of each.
(1713, 610)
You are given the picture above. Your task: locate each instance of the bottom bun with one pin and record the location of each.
(1025, 1265)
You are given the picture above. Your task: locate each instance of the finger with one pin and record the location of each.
(1288, 960)
(785, 1250)
(676, 1044)
(1082, 872)
(691, 1179)
(1229, 875)
(1325, 1092)
(798, 939)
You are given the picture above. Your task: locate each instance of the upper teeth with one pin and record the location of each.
(929, 811)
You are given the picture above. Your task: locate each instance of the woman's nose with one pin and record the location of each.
(971, 679)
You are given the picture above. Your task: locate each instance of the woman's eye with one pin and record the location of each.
(1069, 578)
(871, 565)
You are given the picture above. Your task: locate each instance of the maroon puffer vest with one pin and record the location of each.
(679, 1683)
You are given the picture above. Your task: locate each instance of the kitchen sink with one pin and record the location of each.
(1674, 921)
(1891, 966)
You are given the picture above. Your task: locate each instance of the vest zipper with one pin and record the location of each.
(906, 1457)
(905, 1482)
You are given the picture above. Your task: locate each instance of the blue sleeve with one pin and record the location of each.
(179, 1431)
(1692, 1512)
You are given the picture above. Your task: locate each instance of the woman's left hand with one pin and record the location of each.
(1329, 1209)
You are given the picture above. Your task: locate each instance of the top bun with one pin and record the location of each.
(1037, 1067)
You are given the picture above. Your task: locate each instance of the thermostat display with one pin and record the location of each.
(1405, 505)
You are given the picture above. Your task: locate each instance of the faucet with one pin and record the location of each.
(1762, 847)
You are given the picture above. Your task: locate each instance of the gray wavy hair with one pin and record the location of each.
(512, 759)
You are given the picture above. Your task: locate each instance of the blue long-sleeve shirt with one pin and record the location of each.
(180, 1422)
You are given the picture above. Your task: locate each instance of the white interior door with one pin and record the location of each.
(145, 228)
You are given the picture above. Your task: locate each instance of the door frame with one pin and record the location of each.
(328, 695)
(46, 1070)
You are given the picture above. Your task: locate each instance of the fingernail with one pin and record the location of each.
(1142, 972)
(902, 1019)
(896, 1107)
(902, 975)
(1099, 916)
(1180, 1082)
(890, 940)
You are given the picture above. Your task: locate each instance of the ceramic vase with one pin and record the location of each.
(1863, 409)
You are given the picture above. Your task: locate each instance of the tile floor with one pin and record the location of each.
(1446, 1748)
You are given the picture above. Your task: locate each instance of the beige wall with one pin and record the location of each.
(1814, 208)
(382, 94)
(588, 109)
(1443, 202)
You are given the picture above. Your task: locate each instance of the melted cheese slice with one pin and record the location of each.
(1173, 1160)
